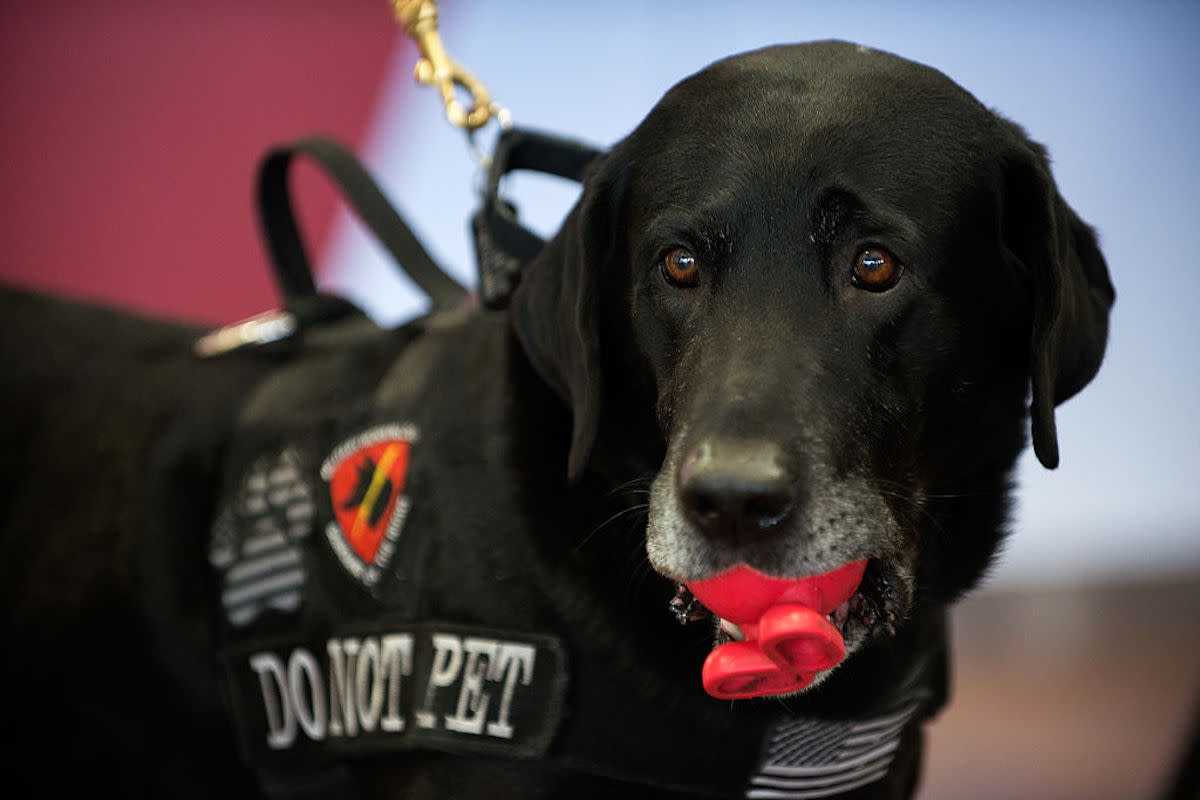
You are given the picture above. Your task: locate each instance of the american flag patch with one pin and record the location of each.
(810, 758)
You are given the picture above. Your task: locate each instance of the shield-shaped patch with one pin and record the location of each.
(366, 477)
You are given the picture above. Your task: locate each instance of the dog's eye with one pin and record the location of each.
(680, 268)
(875, 269)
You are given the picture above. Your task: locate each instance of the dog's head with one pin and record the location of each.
(837, 276)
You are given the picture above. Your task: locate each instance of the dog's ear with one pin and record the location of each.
(555, 307)
(1072, 292)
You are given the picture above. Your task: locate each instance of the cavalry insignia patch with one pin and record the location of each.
(366, 476)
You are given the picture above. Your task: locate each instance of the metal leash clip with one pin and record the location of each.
(435, 68)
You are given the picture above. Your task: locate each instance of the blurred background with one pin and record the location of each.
(131, 130)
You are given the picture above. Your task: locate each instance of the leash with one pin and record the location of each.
(502, 244)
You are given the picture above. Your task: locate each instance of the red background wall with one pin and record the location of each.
(131, 131)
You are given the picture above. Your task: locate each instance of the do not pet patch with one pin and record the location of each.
(441, 686)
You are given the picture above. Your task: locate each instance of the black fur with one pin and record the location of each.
(894, 417)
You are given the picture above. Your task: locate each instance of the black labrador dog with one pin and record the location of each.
(798, 319)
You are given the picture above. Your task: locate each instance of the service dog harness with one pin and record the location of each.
(331, 654)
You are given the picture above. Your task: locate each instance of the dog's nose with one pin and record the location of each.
(735, 488)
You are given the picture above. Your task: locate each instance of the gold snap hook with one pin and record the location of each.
(435, 67)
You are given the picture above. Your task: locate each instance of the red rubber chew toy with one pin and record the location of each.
(788, 639)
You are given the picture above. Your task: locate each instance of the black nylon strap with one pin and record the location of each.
(293, 269)
(502, 244)
(541, 152)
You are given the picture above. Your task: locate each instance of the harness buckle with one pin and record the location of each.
(261, 329)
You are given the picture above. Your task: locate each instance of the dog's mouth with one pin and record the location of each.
(775, 637)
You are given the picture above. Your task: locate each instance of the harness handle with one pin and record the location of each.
(293, 271)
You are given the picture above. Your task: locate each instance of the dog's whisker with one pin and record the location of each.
(632, 486)
(625, 512)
